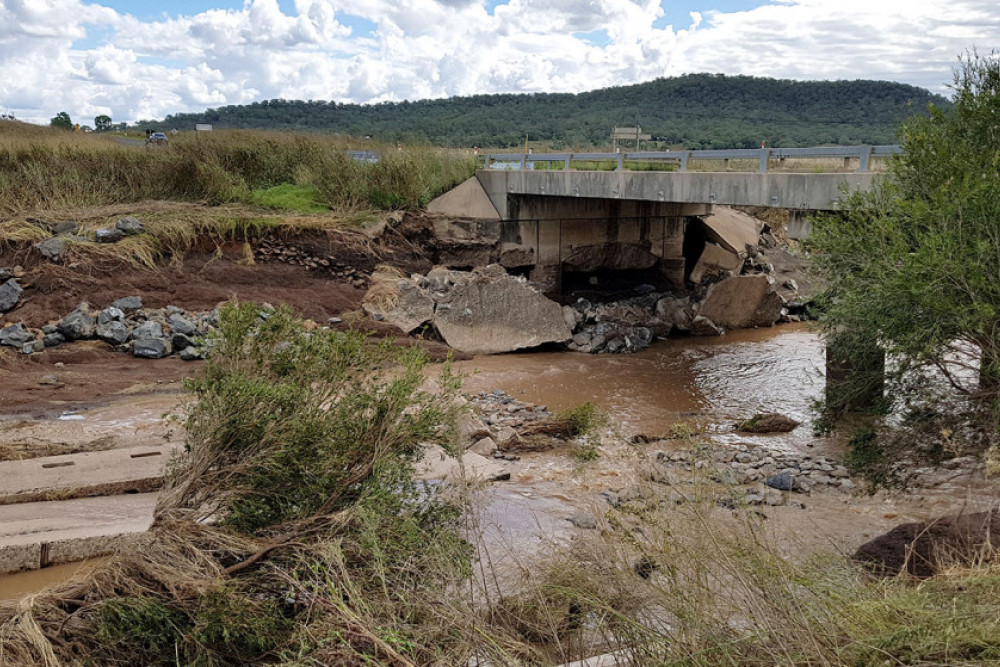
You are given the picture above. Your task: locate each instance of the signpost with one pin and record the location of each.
(628, 134)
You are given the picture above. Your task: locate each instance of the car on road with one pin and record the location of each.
(157, 139)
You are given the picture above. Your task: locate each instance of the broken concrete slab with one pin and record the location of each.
(468, 200)
(742, 302)
(715, 262)
(494, 312)
(400, 303)
(109, 472)
(732, 230)
(37, 534)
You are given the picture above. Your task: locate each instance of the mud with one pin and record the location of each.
(14, 586)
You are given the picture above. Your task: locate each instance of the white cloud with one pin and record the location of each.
(437, 48)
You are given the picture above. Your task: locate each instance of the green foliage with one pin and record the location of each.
(45, 171)
(62, 121)
(913, 266)
(305, 423)
(694, 111)
(145, 626)
(102, 123)
(290, 197)
(584, 419)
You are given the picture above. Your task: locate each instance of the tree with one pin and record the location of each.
(62, 121)
(102, 123)
(913, 266)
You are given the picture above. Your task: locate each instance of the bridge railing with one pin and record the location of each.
(681, 159)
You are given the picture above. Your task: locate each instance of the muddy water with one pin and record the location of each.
(705, 382)
(14, 586)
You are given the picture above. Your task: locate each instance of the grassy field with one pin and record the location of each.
(44, 169)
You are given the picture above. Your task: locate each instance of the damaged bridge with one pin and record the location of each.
(559, 224)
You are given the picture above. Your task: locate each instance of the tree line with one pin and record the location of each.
(692, 111)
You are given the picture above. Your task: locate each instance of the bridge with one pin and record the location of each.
(560, 212)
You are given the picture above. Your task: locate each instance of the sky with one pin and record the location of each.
(144, 59)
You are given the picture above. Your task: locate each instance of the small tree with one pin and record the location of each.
(914, 265)
(62, 121)
(102, 123)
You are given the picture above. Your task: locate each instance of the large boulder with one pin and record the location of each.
(10, 294)
(494, 312)
(399, 302)
(181, 325)
(742, 302)
(109, 235)
(78, 325)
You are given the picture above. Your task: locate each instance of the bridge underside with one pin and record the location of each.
(608, 226)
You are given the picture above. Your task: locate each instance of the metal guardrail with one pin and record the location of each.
(517, 161)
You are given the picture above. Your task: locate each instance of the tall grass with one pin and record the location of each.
(50, 169)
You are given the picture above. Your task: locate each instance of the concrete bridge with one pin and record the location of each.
(562, 213)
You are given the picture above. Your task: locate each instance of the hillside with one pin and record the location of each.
(696, 111)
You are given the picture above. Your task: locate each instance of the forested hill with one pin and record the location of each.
(696, 111)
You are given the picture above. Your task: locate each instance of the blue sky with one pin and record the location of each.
(142, 59)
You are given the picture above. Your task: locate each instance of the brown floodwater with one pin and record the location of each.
(14, 586)
(706, 382)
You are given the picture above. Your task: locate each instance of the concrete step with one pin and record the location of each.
(109, 472)
(38, 534)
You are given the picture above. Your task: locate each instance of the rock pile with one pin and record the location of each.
(628, 325)
(126, 326)
(271, 250)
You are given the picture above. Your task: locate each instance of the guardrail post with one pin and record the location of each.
(621, 162)
(866, 153)
(524, 162)
(684, 160)
(765, 153)
(569, 156)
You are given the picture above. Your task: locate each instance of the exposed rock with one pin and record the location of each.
(32, 346)
(150, 342)
(78, 325)
(181, 325)
(742, 302)
(109, 235)
(484, 447)
(10, 294)
(114, 332)
(191, 353)
(494, 313)
(128, 304)
(53, 339)
(469, 429)
(130, 226)
(15, 335)
(784, 481)
(770, 422)
(702, 326)
(675, 310)
(51, 249)
(715, 263)
(583, 520)
(110, 314)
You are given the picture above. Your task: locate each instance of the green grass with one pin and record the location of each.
(289, 197)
